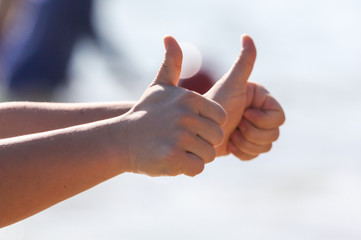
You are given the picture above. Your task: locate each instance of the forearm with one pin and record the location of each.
(40, 170)
(21, 118)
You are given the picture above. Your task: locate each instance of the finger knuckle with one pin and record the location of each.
(185, 118)
(183, 137)
(219, 136)
(276, 134)
(282, 119)
(189, 98)
(196, 170)
(217, 112)
(268, 147)
(247, 148)
(212, 153)
(174, 139)
(265, 148)
(221, 115)
(173, 172)
(210, 156)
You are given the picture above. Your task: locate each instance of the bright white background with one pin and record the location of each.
(307, 187)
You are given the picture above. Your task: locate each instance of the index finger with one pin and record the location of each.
(212, 110)
(265, 119)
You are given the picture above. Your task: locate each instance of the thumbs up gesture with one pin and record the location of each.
(254, 116)
(171, 130)
(259, 126)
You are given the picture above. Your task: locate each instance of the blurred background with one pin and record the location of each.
(309, 58)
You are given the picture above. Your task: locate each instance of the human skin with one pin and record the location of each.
(39, 170)
(43, 116)
(259, 126)
(254, 116)
(260, 122)
(253, 124)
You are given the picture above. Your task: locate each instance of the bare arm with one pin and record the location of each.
(42, 169)
(39, 170)
(21, 118)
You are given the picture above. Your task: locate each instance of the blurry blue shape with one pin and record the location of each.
(37, 61)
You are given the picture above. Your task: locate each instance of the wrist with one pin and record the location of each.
(118, 142)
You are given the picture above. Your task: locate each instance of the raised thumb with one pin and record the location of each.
(239, 73)
(170, 70)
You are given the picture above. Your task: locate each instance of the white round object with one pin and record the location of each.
(192, 60)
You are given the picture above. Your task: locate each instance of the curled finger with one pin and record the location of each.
(238, 153)
(257, 135)
(246, 146)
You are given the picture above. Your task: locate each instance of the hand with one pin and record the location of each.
(171, 130)
(231, 91)
(259, 126)
(254, 116)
